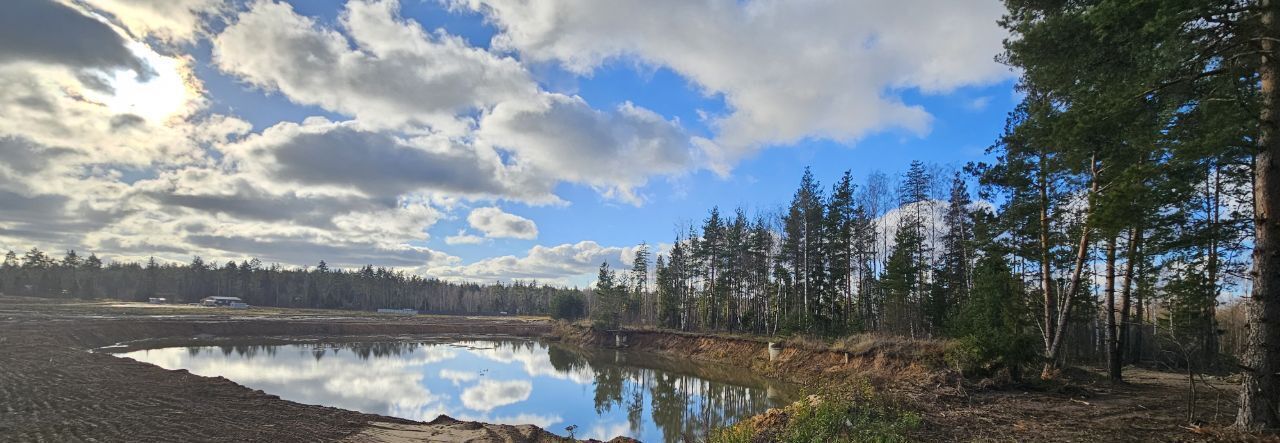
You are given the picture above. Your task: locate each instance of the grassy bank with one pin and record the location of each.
(852, 414)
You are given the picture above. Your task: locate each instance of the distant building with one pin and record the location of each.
(398, 311)
(222, 301)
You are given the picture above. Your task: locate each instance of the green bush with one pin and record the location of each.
(568, 307)
(856, 416)
(741, 433)
(991, 328)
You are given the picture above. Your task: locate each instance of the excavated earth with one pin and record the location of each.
(1082, 406)
(54, 389)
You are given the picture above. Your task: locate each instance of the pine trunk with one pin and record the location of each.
(1053, 341)
(1046, 276)
(1120, 351)
(1260, 391)
(1113, 363)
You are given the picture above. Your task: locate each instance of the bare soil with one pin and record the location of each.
(53, 389)
(1082, 406)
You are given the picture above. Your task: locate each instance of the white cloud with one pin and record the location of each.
(489, 394)
(73, 81)
(615, 152)
(170, 20)
(536, 362)
(398, 76)
(495, 223)
(827, 68)
(458, 377)
(607, 431)
(544, 421)
(379, 386)
(561, 264)
(463, 238)
(397, 73)
(345, 156)
(979, 103)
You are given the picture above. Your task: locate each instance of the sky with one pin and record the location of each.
(477, 140)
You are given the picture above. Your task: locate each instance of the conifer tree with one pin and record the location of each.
(608, 309)
(952, 278)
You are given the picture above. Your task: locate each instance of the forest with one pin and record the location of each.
(366, 288)
(1130, 202)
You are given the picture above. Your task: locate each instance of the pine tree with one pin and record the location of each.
(803, 252)
(608, 310)
(991, 323)
(901, 282)
(906, 270)
(640, 282)
(710, 253)
(840, 230)
(952, 278)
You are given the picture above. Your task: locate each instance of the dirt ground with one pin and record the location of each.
(1084, 407)
(52, 389)
(1151, 406)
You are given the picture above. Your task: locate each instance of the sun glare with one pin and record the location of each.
(164, 94)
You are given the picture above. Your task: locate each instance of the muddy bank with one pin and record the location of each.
(54, 390)
(912, 374)
(882, 362)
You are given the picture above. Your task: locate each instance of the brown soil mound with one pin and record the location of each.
(52, 389)
(870, 358)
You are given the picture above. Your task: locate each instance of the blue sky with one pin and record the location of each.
(611, 123)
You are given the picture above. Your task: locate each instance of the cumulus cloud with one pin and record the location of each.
(51, 32)
(74, 81)
(463, 238)
(489, 394)
(169, 20)
(345, 156)
(343, 379)
(219, 212)
(388, 73)
(495, 223)
(544, 421)
(396, 74)
(612, 151)
(828, 69)
(555, 264)
(105, 146)
(458, 377)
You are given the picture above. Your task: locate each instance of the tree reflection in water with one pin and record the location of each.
(684, 407)
(679, 400)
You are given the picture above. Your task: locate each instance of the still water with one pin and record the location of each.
(604, 393)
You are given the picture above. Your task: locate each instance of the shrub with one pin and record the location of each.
(992, 325)
(855, 415)
(565, 306)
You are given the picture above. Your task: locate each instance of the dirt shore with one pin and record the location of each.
(53, 389)
(1151, 406)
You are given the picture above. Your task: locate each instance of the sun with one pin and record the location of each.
(167, 92)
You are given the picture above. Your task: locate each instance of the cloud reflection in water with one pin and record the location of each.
(496, 381)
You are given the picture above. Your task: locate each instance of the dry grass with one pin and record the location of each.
(873, 344)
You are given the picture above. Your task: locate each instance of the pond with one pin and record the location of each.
(603, 393)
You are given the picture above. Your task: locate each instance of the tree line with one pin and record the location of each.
(367, 288)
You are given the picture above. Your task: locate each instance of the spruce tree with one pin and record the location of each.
(952, 278)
